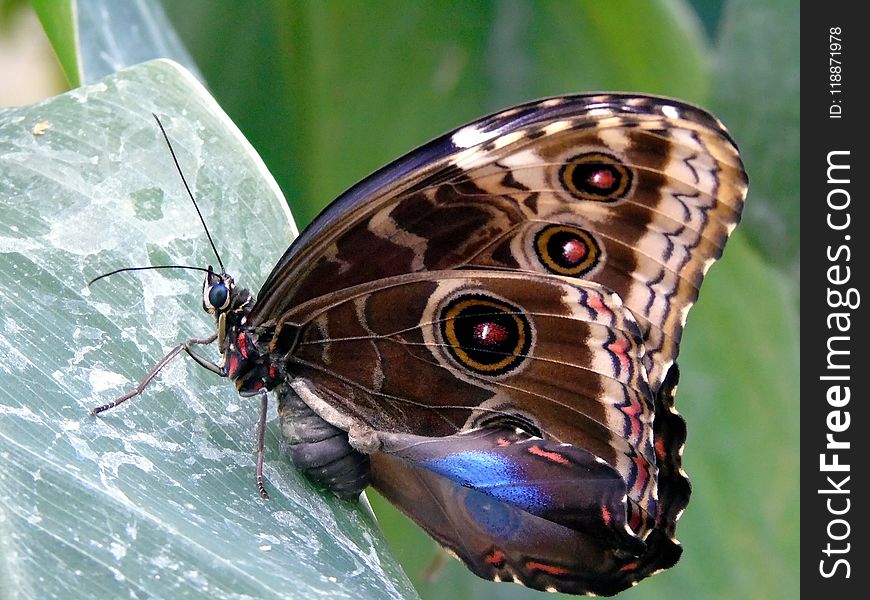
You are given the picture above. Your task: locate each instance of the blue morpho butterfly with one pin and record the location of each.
(486, 330)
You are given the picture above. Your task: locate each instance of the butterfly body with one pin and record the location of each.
(486, 331)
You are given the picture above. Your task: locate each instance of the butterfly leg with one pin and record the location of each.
(184, 346)
(201, 360)
(261, 439)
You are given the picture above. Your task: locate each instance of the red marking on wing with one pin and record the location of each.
(635, 521)
(629, 567)
(495, 558)
(603, 179)
(597, 305)
(549, 569)
(660, 449)
(620, 349)
(605, 515)
(490, 334)
(502, 442)
(574, 251)
(632, 411)
(642, 474)
(551, 456)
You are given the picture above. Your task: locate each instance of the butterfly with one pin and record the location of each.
(486, 331)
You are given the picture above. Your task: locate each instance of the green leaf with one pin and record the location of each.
(94, 38)
(58, 20)
(740, 396)
(591, 45)
(155, 498)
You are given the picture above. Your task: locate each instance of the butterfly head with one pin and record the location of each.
(218, 291)
(228, 303)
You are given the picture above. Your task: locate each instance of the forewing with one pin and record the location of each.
(637, 193)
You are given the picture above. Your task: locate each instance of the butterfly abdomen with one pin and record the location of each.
(320, 449)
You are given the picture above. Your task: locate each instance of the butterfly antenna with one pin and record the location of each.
(104, 275)
(189, 193)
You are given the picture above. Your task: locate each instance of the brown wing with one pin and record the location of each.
(438, 353)
(634, 192)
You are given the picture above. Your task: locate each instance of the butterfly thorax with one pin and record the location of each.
(252, 356)
(245, 357)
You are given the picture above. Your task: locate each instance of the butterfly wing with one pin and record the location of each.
(449, 351)
(550, 516)
(637, 193)
(516, 395)
(509, 298)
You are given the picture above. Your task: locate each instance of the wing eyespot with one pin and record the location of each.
(567, 250)
(485, 335)
(596, 177)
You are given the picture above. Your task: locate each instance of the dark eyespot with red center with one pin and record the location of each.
(596, 177)
(485, 335)
(567, 250)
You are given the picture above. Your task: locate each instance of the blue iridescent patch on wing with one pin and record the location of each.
(493, 474)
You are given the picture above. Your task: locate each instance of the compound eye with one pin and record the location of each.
(219, 296)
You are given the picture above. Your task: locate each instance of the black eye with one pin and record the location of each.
(218, 295)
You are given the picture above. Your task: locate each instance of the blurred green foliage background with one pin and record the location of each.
(329, 91)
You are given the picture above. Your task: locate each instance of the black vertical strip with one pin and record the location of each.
(835, 454)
